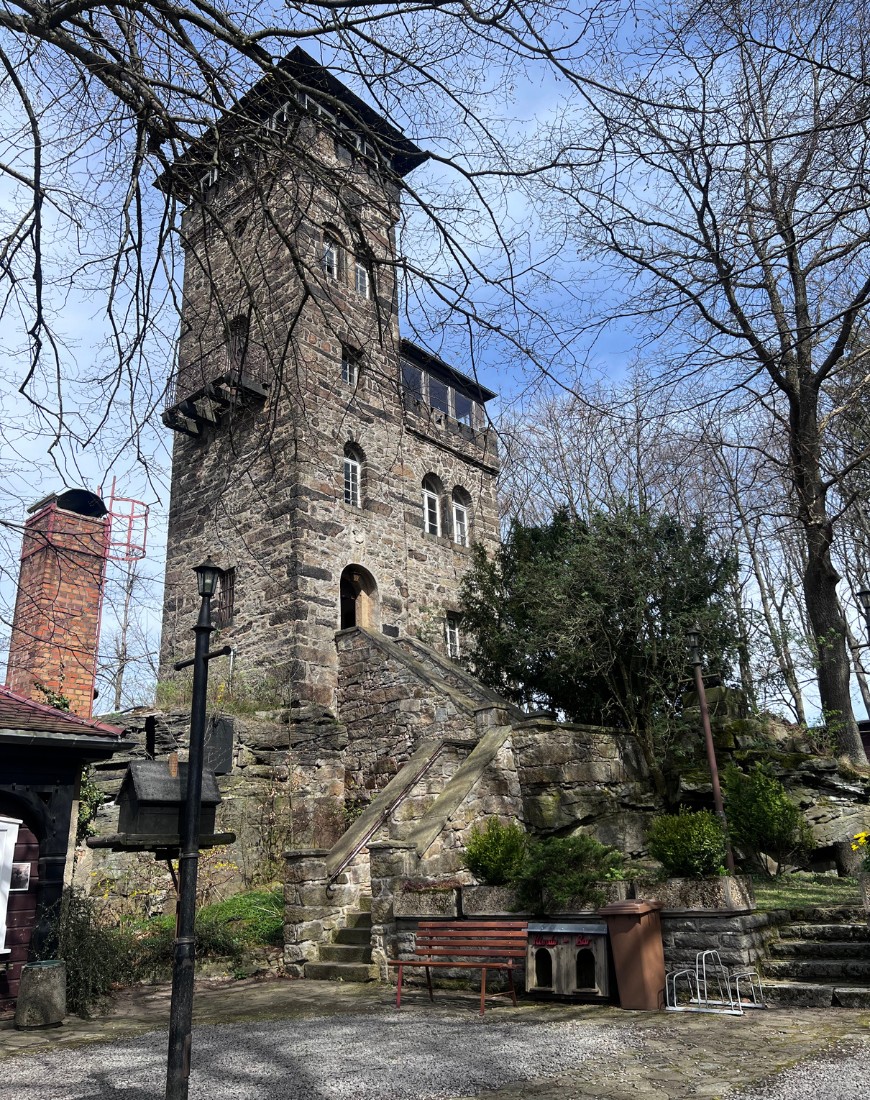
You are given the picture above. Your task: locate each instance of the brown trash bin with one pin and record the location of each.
(635, 930)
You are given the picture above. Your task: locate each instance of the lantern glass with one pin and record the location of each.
(693, 636)
(207, 577)
(864, 599)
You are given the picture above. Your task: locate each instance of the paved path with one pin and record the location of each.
(330, 1041)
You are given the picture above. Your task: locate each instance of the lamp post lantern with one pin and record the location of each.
(693, 641)
(181, 1008)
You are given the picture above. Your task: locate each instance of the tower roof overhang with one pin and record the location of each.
(295, 73)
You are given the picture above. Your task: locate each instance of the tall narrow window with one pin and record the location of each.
(461, 503)
(464, 409)
(349, 366)
(330, 257)
(353, 462)
(223, 607)
(439, 396)
(431, 505)
(460, 523)
(361, 279)
(412, 381)
(237, 342)
(451, 629)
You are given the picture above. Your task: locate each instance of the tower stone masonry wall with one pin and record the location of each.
(262, 491)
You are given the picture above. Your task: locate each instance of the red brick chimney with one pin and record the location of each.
(60, 593)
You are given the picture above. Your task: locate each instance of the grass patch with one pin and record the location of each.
(803, 890)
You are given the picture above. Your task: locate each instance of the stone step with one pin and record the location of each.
(791, 994)
(357, 937)
(828, 971)
(821, 932)
(365, 903)
(359, 920)
(343, 952)
(341, 972)
(856, 950)
(852, 996)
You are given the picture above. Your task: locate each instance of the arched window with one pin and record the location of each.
(461, 516)
(237, 342)
(354, 461)
(431, 505)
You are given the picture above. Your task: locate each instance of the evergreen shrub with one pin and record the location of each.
(688, 845)
(559, 871)
(763, 820)
(496, 854)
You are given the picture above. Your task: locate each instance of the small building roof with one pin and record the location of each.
(17, 712)
(430, 362)
(152, 782)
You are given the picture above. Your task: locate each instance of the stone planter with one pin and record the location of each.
(864, 889)
(42, 995)
(726, 893)
(415, 904)
(501, 901)
(489, 901)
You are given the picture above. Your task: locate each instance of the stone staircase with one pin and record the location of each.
(349, 957)
(822, 958)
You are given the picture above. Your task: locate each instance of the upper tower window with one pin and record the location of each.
(361, 279)
(461, 513)
(237, 342)
(330, 257)
(350, 365)
(353, 468)
(439, 395)
(431, 505)
(412, 380)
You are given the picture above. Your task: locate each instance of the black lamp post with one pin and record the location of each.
(693, 641)
(181, 1009)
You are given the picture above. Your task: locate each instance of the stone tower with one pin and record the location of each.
(338, 473)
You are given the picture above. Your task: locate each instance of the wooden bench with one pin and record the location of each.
(467, 945)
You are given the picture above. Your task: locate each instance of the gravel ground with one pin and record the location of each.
(391, 1057)
(843, 1075)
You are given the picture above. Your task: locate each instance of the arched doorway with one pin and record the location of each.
(358, 598)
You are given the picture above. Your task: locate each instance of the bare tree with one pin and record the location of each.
(727, 203)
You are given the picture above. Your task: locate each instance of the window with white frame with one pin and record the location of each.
(460, 523)
(330, 257)
(361, 279)
(350, 366)
(451, 630)
(431, 506)
(352, 477)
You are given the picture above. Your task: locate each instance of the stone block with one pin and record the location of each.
(42, 995)
(428, 903)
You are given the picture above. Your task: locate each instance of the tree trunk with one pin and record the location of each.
(820, 578)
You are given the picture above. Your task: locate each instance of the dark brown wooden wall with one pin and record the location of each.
(20, 920)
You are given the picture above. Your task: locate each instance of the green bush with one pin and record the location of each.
(561, 870)
(688, 845)
(763, 820)
(96, 957)
(496, 854)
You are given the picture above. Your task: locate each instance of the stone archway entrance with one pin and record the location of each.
(358, 597)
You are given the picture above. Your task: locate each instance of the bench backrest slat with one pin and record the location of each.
(478, 939)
